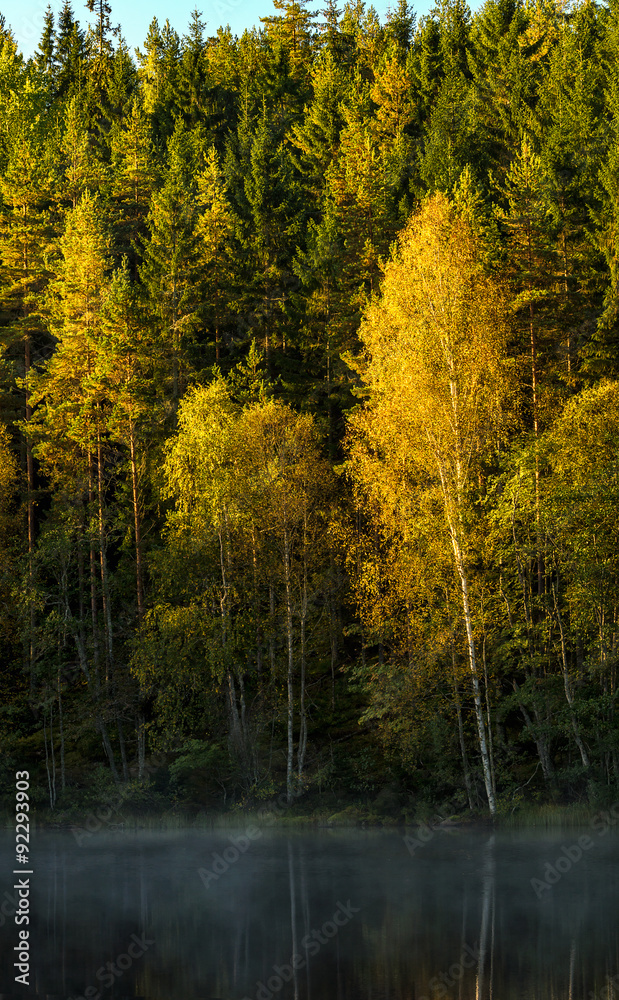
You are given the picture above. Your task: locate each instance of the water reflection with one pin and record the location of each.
(328, 916)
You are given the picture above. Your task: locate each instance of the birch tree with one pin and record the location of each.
(436, 381)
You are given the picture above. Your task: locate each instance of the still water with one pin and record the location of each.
(329, 915)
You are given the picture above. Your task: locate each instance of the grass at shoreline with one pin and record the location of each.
(271, 815)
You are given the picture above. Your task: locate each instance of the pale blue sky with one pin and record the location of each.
(26, 16)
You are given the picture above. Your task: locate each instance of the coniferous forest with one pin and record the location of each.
(309, 409)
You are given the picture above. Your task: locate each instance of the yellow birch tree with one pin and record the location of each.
(437, 385)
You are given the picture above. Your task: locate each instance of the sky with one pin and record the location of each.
(26, 16)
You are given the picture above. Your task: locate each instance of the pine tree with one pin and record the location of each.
(103, 25)
(293, 29)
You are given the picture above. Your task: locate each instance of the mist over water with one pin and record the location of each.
(329, 915)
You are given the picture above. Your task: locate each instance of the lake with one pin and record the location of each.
(327, 915)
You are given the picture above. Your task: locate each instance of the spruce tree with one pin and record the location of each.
(193, 72)
(70, 52)
(169, 268)
(45, 54)
(504, 76)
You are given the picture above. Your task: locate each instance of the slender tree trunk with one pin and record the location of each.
(540, 743)
(141, 739)
(60, 720)
(121, 744)
(139, 587)
(479, 713)
(302, 713)
(488, 715)
(99, 720)
(137, 527)
(566, 294)
(584, 756)
(80, 579)
(271, 630)
(93, 583)
(107, 746)
(105, 590)
(53, 752)
(49, 777)
(290, 677)
(535, 401)
(465, 762)
(30, 506)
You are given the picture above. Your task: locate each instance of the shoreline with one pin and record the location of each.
(354, 817)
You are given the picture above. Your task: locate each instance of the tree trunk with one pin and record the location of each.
(465, 762)
(49, 777)
(121, 744)
(141, 739)
(302, 714)
(62, 764)
(479, 712)
(137, 527)
(93, 583)
(271, 630)
(290, 678)
(488, 715)
(105, 591)
(540, 744)
(584, 756)
(107, 746)
(30, 505)
(535, 403)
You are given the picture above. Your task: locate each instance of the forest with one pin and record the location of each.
(309, 410)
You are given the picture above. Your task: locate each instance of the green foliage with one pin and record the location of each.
(194, 248)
